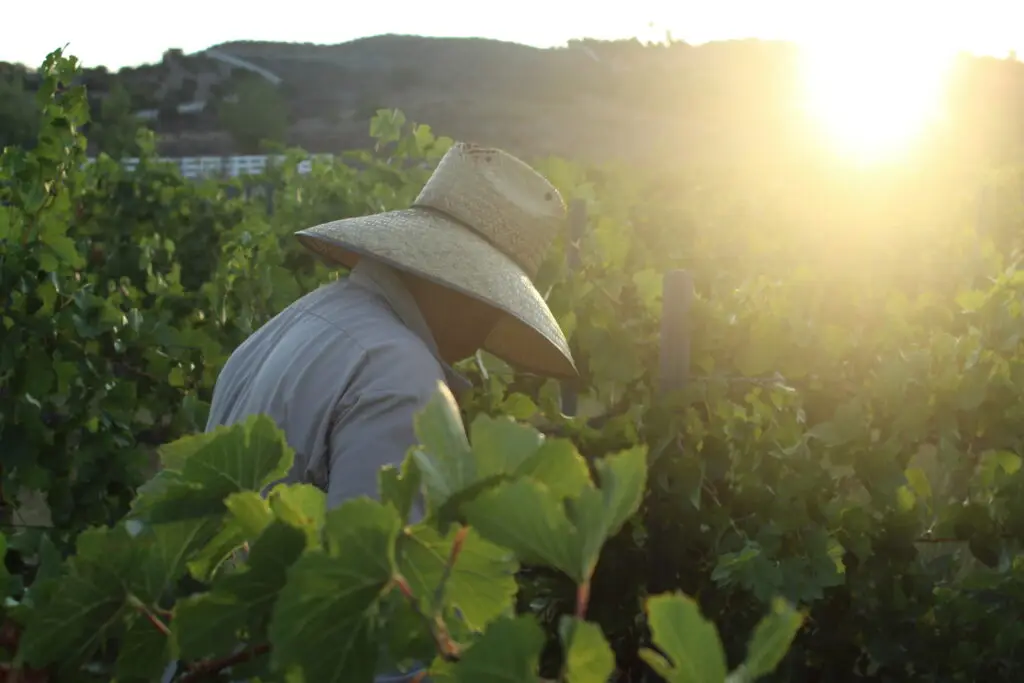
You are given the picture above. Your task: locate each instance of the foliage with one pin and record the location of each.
(116, 128)
(339, 595)
(848, 440)
(254, 112)
(18, 117)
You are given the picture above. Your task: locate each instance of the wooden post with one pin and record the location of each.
(677, 297)
(577, 228)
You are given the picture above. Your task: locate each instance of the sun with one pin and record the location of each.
(874, 101)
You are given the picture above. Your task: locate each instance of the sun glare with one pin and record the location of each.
(874, 103)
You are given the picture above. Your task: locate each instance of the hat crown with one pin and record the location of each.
(500, 198)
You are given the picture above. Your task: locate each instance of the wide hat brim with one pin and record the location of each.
(427, 244)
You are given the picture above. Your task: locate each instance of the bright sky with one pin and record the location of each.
(116, 33)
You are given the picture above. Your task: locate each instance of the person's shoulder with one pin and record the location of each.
(393, 358)
(396, 360)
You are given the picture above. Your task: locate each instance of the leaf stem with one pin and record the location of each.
(150, 616)
(206, 668)
(582, 599)
(446, 647)
(453, 556)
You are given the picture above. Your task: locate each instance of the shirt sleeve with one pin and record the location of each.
(374, 427)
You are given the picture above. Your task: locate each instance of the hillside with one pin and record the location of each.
(593, 100)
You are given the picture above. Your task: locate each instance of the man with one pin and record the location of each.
(344, 369)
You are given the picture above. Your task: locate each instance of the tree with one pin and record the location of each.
(18, 117)
(255, 112)
(115, 127)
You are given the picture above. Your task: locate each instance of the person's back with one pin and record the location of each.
(344, 370)
(340, 373)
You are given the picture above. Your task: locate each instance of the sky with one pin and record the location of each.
(117, 33)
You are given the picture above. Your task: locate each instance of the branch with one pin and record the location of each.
(209, 667)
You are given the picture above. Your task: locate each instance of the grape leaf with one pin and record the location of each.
(324, 605)
(208, 624)
(144, 651)
(164, 551)
(244, 457)
(301, 505)
(86, 603)
(588, 658)
(501, 446)
(443, 457)
(600, 513)
(692, 649)
(559, 466)
(508, 652)
(249, 512)
(771, 639)
(482, 582)
(530, 519)
(400, 487)
(526, 517)
(244, 597)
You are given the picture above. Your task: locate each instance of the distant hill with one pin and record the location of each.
(593, 100)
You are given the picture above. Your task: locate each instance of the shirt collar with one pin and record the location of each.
(385, 281)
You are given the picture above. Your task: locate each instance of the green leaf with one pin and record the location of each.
(303, 506)
(526, 517)
(174, 454)
(249, 511)
(771, 639)
(64, 248)
(324, 606)
(88, 601)
(400, 487)
(508, 652)
(443, 458)
(692, 649)
(519, 407)
(481, 585)
(176, 377)
(559, 466)
(144, 652)
(163, 552)
(543, 527)
(208, 625)
(600, 513)
(210, 558)
(245, 457)
(919, 484)
(258, 582)
(588, 658)
(501, 446)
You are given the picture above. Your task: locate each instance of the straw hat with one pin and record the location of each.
(480, 226)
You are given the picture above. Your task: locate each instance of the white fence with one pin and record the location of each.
(206, 167)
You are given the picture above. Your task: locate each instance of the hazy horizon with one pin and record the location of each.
(980, 27)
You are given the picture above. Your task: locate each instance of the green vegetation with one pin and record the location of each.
(839, 481)
(17, 112)
(255, 113)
